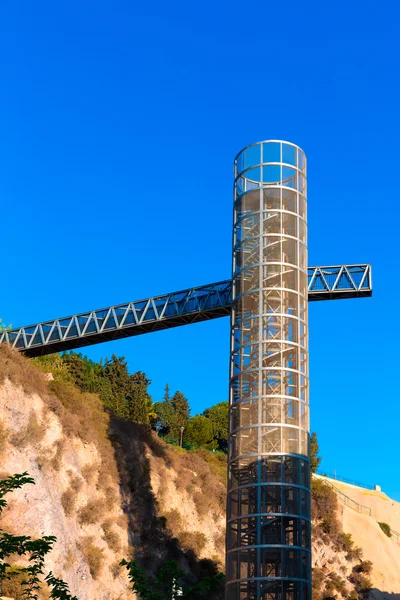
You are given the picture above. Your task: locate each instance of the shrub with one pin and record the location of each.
(385, 528)
(3, 437)
(116, 569)
(69, 560)
(334, 583)
(318, 578)
(68, 500)
(11, 587)
(111, 497)
(56, 460)
(110, 536)
(195, 540)
(20, 371)
(204, 503)
(90, 472)
(174, 521)
(324, 503)
(91, 513)
(32, 434)
(75, 482)
(93, 555)
(362, 584)
(365, 567)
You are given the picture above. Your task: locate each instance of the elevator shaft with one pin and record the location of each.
(268, 507)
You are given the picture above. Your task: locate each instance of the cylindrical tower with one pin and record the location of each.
(268, 509)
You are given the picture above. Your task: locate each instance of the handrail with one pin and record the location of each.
(345, 480)
(364, 510)
(347, 501)
(395, 534)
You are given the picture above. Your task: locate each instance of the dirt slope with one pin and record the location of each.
(384, 552)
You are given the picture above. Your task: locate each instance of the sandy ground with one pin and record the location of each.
(384, 552)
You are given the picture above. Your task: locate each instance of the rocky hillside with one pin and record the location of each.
(108, 489)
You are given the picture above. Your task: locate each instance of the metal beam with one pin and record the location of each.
(170, 310)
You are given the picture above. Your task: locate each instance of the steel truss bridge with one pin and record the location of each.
(170, 310)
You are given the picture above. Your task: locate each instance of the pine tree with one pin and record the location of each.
(138, 399)
(314, 449)
(164, 413)
(116, 371)
(181, 416)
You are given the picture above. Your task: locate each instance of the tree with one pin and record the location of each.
(4, 327)
(35, 550)
(170, 579)
(165, 413)
(138, 399)
(181, 416)
(116, 371)
(219, 418)
(199, 431)
(315, 460)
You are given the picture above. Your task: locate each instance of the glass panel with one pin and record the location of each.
(271, 152)
(289, 200)
(289, 154)
(271, 198)
(252, 156)
(289, 177)
(272, 174)
(289, 224)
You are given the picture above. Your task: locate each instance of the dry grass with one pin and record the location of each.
(111, 497)
(68, 501)
(3, 437)
(30, 435)
(202, 474)
(21, 371)
(110, 536)
(122, 521)
(12, 587)
(76, 482)
(57, 459)
(92, 512)
(174, 521)
(195, 541)
(69, 560)
(93, 555)
(90, 472)
(116, 569)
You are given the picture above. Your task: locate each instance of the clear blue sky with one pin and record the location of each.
(119, 122)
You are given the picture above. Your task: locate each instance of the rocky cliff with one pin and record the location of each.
(109, 489)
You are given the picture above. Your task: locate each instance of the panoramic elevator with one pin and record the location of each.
(268, 506)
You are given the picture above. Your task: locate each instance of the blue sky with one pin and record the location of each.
(119, 122)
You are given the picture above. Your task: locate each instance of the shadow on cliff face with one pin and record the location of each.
(148, 535)
(376, 594)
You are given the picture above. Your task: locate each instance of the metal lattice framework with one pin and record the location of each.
(170, 310)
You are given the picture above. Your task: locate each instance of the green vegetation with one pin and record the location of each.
(169, 580)
(199, 431)
(4, 327)
(126, 396)
(315, 459)
(385, 528)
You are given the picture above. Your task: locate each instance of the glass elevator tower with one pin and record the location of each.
(268, 510)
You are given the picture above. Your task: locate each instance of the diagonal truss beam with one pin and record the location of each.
(170, 310)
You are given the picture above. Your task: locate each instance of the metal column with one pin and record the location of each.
(268, 510)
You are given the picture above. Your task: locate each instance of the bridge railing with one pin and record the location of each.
(170, 310)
